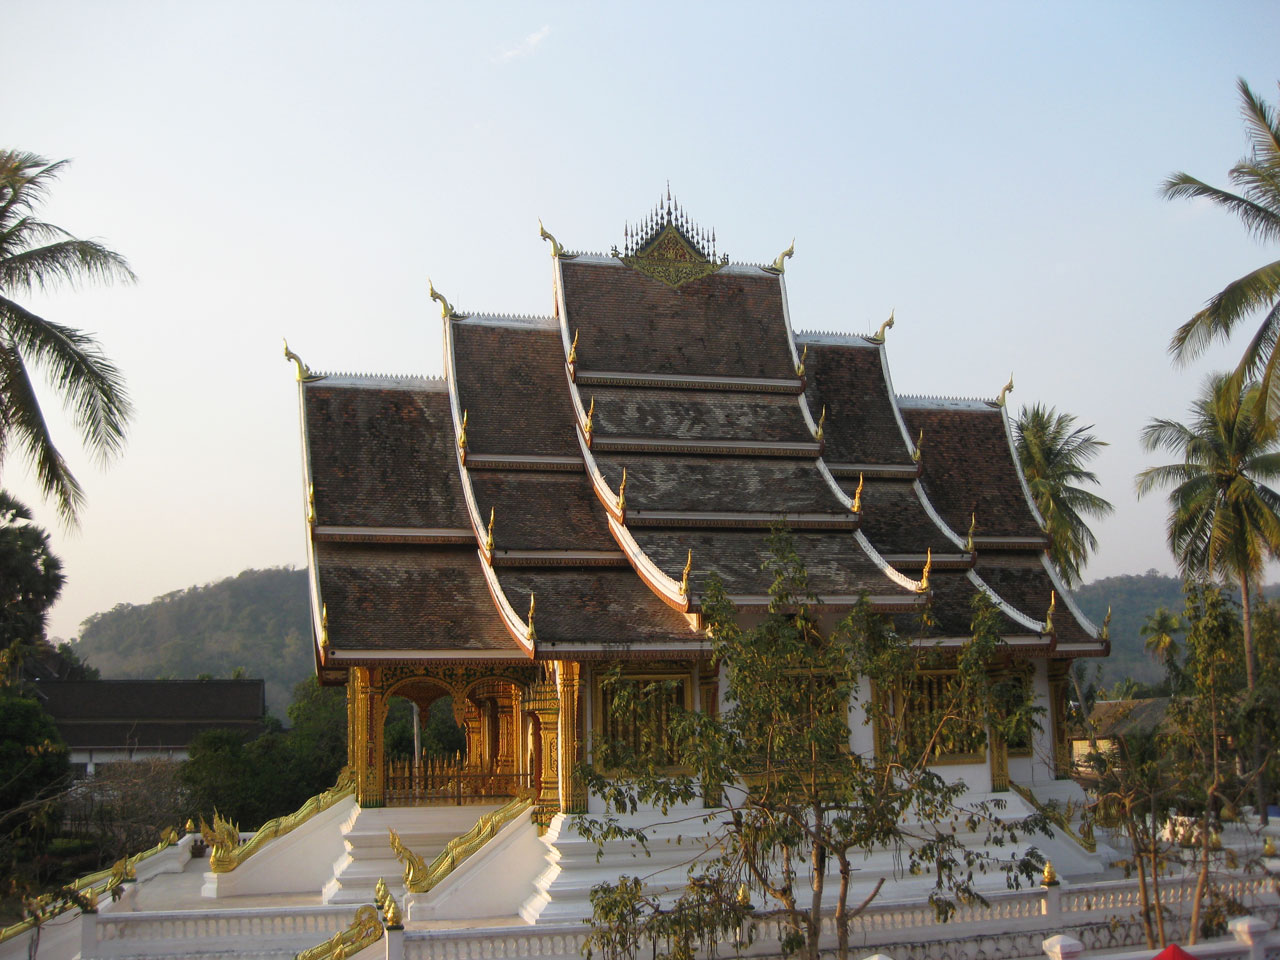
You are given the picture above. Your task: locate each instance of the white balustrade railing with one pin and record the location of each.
(170, 933)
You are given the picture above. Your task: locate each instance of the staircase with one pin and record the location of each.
(367, 854)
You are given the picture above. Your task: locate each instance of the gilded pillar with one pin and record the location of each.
(519, 762)
(545, 705)
(366, 731)
(473, 732)
(506, 754)
(1059, 678)
(572, 793)
(352, 740)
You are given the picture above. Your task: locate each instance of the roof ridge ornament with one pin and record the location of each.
(588, 427)
(684, 576)
(668, 246)
(878, 336)
(1004, 392)
(1105, 633)
(857, 496)
(973, 525)
(573, 349)
(622, 492)
(531, 633)
(303, 373)
(917, 452)
(462, 439)
(446, 308)
(557, 250)
(822, 419)
(779, 265)
(1048, 617)
(804, 355)
(488, 540)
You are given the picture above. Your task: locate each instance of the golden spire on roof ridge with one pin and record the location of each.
(1004, 392)
(878, 336)
(311, 504)
(462, 438)
(915, 454)
(531, 634)
(590, 424)
(1048, 617)
(1105, 632)
(324, 626)
(923, 586)
(800, 366)
(857, 496)
(684, 576)
(446, 308)
(973, 525)
(303, 374)
(488, 540)
(556, 249)
(822, 419)
(573, 348)
(622, 491)
(779, 265)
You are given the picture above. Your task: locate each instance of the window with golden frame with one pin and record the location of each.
(644, 730)
(932, 705)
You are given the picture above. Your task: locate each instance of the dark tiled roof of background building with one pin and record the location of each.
(728, 324)
(382, 457)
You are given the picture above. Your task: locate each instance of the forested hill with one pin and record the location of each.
(258, 620)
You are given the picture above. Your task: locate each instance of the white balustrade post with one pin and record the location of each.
(88, 934)
(878, 956)
(1252, 932)
(394, 936)
(1051, 901)
(1062, 947)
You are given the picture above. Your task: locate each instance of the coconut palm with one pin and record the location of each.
(1052, 452)
(1257, 204)
(1224, 519)
(1158, 631)
(35, 255)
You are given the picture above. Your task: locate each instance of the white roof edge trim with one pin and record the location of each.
(831, 338)
(386, 381)
(937, 518)
(313, 568)
(516, 625)
(901, 579)
(1008, 609)
(894, 401)
(1069, 598)
(520, 321)
(916, 401)
(1017, 468)
(638, 558)
(473, 509)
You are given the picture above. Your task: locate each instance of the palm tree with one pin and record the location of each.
(1159, 628)
(1257, 204)
(35, 255)
(1224, 519)
(1052, 452)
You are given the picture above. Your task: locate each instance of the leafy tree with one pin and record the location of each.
(1257, 204)
(1052, 452)
(35, 255)
(1158, 631)
(30, 581)
(34, 771)
(792, 796)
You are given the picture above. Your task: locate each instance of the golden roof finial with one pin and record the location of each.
(1004, 392)
(392, 913)
(556, 249)
(590, 424)
(684, 577)
(822, 419)
(303, 373)
(622, 491)
(488, 540)
(1050, 875)
(973, 525)
(923, 586)
(462, 438)
(778, 264)
(1105, 632)
(878, 337)
(1048, 617)
(804, 354)
(531, 634)
(915, 454)
(857, 496)
(446, 308)
(573, 348)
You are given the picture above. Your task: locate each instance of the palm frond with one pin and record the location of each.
(67, 261)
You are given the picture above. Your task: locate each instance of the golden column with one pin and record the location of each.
(369, 713)
(473, 732)
(1059, 677)
(999, 747)
(506, 753)
(572, 793)
(545, 705)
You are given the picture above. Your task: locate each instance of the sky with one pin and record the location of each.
(989, 171)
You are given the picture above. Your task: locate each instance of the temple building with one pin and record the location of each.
(556, 502)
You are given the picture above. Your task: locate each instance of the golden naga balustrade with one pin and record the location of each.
(419, 876)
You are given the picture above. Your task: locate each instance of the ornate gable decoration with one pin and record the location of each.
(667, 246)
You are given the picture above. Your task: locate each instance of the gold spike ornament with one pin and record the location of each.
(1048, 617)
(488, 540)
(1105, 632)
(924, 574)
(684, 577)
(804, 355)
(916, 453)
(589, 426)
(884, 328)
(779, 263)
(973, 525)
(822, 420)
(556, 249)
(303, 372)
(857, 496)
(573, 349)
(1004, 392)
(446, 308)
(462, 439)
(531, 634)
(622, 492)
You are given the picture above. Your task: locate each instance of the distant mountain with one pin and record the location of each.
(258, 620)
(1132, 598)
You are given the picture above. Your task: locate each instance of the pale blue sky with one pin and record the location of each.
(300, 168)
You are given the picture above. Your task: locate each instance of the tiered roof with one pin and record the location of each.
(571, 484)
